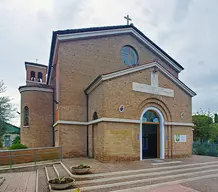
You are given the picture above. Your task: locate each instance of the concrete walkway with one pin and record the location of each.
(168, 188)
(19, 182)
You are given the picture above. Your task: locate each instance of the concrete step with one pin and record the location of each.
(61, 171)
(136, 179)
(137, 171)
(131, 177)
(103, 187)
(51, 173)
(162, 184)
(57, 170)
(42, 182)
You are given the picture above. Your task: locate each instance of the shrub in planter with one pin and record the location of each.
(81, 168)
(17, 146)
(61, 182)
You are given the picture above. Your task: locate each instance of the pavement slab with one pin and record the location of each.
(19, 182)
(168, 188)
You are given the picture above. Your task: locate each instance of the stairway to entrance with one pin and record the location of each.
(136, 180)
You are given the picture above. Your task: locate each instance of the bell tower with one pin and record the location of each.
(35, 73)
(36, 108)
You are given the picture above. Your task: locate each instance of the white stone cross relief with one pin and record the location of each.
(153, 88)
(154, 79)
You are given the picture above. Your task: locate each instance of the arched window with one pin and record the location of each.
(150, 116)
(32, 75)
(26, 116)
(129, 55)
(40, 77)
(95, 115)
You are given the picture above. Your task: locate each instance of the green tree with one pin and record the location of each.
(214, 133)
(6, 109)
(204, 127)
(16, 140)
(215, 118)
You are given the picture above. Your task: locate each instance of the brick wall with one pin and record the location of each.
(81, 61)
(72, 138)
(119, 140)
(118, 91)
(182, 149)
(39, 132)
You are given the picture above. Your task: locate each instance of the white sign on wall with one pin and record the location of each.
(180, 138)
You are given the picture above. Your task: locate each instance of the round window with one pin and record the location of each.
(129, 56)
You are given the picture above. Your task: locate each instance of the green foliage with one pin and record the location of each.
(1, 144)
(6, 109)
(200, 149)
(61, 180)
(3, 127)
(16, 140)
(208, 149)
(203, 128)
(17, 146)
(215, 118)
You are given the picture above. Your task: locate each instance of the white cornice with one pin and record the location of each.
(179, 124)
(118, 74)
(40, 89)
(36, 66)
(100, 33)
(139, 68)
(116, 120)
(35, 82)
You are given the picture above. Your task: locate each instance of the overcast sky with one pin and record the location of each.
(185, 29)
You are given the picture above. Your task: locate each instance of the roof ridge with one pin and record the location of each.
(91, 28)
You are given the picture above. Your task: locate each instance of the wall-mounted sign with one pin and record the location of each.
(180, 138)
(121, 108)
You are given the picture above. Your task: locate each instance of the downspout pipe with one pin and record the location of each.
(87, 128)
(53, 136)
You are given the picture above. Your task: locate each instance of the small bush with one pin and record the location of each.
(16, 140)
(1, 144)
(208, 149)
(17, 146)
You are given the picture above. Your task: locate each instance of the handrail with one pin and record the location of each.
(34, 153)
(30, 148)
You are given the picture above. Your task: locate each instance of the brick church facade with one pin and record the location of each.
(108, 93)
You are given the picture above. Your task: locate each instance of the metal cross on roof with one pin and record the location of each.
(127, 19)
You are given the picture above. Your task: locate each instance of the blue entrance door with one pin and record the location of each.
(7, 140)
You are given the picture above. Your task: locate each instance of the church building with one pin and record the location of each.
(107, 93)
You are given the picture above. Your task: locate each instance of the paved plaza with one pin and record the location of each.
(19, 182)
(194, 174)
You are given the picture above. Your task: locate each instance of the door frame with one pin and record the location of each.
(162, 133)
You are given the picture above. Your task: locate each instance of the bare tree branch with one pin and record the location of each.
(7, 110)
(2, 87)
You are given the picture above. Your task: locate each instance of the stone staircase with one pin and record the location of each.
(136, 180)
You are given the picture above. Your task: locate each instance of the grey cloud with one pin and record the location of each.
(181, 10)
